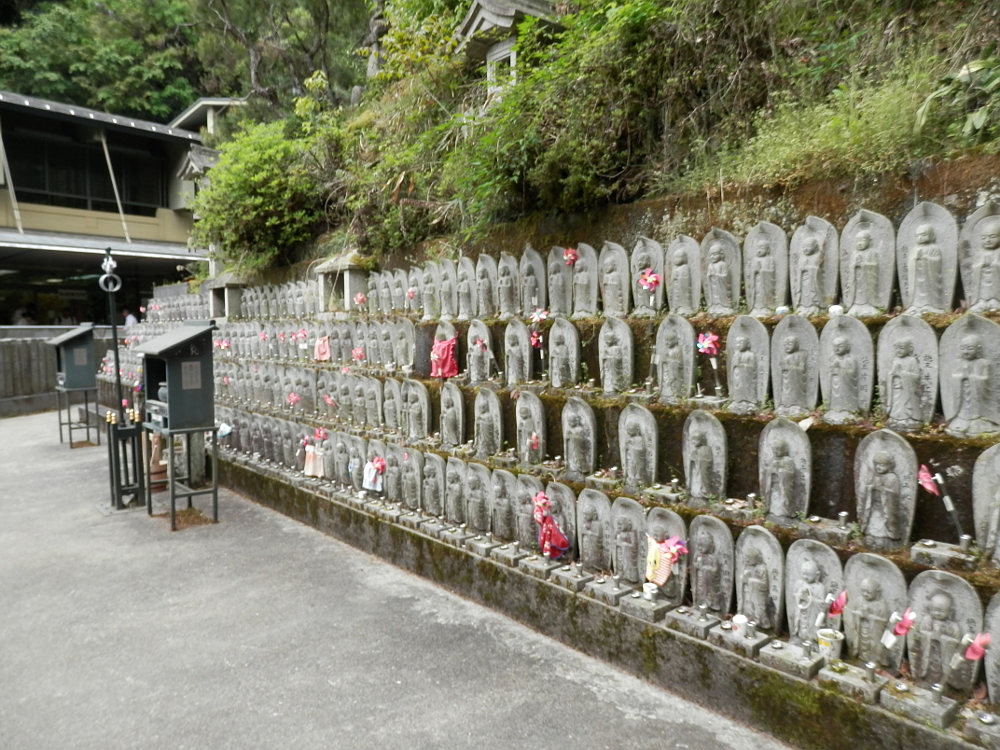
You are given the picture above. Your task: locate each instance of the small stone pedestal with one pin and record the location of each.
(722, 635)
(984, 729)
(390, 512)
(356, 500)
(602, 484)
(412, 519)
(690, 622)
(481, 545)
(918, 704)
(509, 555)
(662, 495)
(852, 682)
(941, 555)
(825, 530)
(708, 402)
(537, 566)
(792, 659)
(433, 527)
(568, 577)
(455, 535)
(373, 506)
(638, 606)
(505, 462)
(734, 510)
(607, 591)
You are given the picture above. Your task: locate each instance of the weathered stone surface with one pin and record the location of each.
(927, 259)
(579, 430)
(456, 483)
(673, 359)
(647, 255)
(562, 508)
(991, 662)
(468, 290)
(432, 495)
(585, 286)
(479, 498)
(682, 276)
(534, 289)
(564, 354)
(814, 266)
(502, 508)
(452, 416)
(614, 280)
(986, 503)
(488, 424)
(795, 366)
(637, 446)
(432, 291)
(760, 577)
(449, 289)
(629, 554)
(486, 286)
(595, 532)
(812, 572)
(970, 375)
(417, 409)
(875, 590)
(979, 258)
(517, 353)
(885, 468)
(846, 369)
(705, 458)
(479, 352)
(907, 372)
(949, 609)
(560, 280)
(867, 264)
(765, 268)
(712, 564)
(784, 462)
(508, 287)
(530, 420)
(747, 365)
(721, 272)
(616, 350)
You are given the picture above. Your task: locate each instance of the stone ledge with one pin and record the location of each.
(791, 709)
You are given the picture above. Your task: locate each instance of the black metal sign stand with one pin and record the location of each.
(123, 433)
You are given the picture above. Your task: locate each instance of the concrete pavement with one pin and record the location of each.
(264, 633)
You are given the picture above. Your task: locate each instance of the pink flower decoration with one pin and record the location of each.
(137, 388)
(977, 648)
(571, 256)
(903, 626)
(293, 399)
(538, 315)
(124, 403)
(328, 398)
(481, 344)
(358, 354)
(225, 380)
(319, 434)
(281, 336)
(708, 343)
(542, 506)
(225, 344)
(536, 339)
(379, 463)
(263, 335)
(411, 292)
(673, 548)
(360, 299)
(838, 604)
(534, 441)
(926, 480)
(649, 280)
(345, 369)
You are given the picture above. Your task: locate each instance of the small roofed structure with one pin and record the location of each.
(75, 363)
(178, 379)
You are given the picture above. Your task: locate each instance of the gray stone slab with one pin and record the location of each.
(689, 622)
(537, 566)
(724, 637)
(509, 555)
(852, 681)
(636, 605)
(607, 590)
(918, 704)
(571, 577)
(983, 728)
(791, 659)
(942, 555)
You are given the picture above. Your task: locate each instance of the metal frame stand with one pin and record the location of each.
(67, 395)
(125, 462)
(177, 485)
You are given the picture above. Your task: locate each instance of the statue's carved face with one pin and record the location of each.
(841, 346)
(884, 463)
(970, 347)
(791, 345)
(990, 237)
(903, 347)
(925, 234)
(780, 448)
(863, 241)
(810, 571)
(870, 590)
(763, 247)
(716, 255)
(941, 606)
(810, 247)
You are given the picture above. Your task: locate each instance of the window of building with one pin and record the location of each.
(501, 70)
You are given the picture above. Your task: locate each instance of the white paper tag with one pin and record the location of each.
(191, 376)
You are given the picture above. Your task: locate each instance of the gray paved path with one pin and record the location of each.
(263, 633)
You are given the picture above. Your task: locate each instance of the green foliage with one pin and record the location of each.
(975, 90)
(261, 200)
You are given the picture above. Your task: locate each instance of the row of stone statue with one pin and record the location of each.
(862, 261)
(177, 307)
(774, 590)
(885, 465)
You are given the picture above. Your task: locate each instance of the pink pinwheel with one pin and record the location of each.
(538, 315)
(263, 335)
(926, 480)
(345, 369)
(903, 626)
(293, 399)
(534, 441)
(708, 343)
(838, 604)
(302, 335)
(673, 548)
(411, 292)
(977, 648)
(481, 344)
(224, 345)
(357, 354)
(281, 336)
(379, 464)
(225, 380)
(360, 299)
(138, 387)
(649, 280)
(328, 399)
(571, 256)
(319, 434)
(536, 339)
(124, 403)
